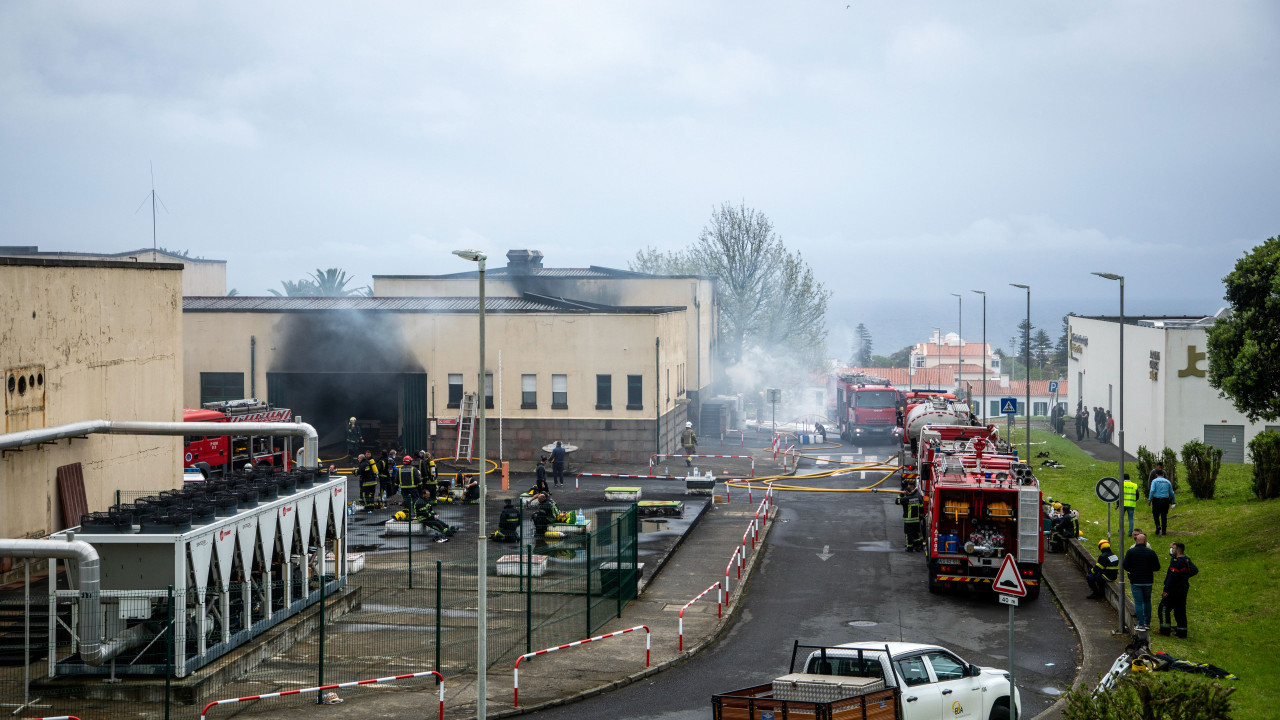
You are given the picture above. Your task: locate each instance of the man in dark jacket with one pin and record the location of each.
(557, 464)
(1177, 583)
(1142, 563)
(1065, 529)
(1103, 572)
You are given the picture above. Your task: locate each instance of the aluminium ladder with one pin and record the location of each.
(466, 426)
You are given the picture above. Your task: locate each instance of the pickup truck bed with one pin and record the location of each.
(758, 703)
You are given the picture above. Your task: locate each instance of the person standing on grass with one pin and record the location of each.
(1142, 563)
(1177, 583)
(1130, 501)
(1160, 497)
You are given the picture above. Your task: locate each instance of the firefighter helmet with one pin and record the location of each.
(353, 419)
(1103, 544)
(402, 516)
(407, 459)
(688, 425)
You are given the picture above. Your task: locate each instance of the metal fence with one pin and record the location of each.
(409, 605)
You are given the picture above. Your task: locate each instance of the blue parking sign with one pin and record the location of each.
(1053, 387)
(1009, 406)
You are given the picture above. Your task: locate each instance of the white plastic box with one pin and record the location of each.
(517, 566)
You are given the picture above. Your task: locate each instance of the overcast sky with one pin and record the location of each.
(909, 150)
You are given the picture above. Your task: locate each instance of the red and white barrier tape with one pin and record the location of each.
(612, 475)
(516, 677)
(656, 458)
(719, 607)
(55, 717)
(372, 681)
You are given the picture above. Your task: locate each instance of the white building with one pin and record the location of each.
(1168, 399)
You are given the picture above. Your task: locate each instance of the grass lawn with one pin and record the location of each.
(1233, 610)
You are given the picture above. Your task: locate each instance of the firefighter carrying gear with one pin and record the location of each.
(410, 481)
(912, 503)
(367, 471)
(689, 442)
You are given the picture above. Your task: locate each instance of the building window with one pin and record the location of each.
(559, 392)
(995, 409)
(1041, 408)
(528, 392)
(218, 386)
(919, 360)
(488, 391)
(995, 363)
(604, 392)
(635, 392)
(455, 390)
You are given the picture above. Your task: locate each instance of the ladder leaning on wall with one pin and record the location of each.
(466, 426)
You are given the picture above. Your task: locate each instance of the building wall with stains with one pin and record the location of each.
(101, 340)
(361, 345)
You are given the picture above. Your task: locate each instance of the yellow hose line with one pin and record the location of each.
(767, 482)
(493, 465)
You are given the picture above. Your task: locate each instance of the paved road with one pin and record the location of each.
(794, 594)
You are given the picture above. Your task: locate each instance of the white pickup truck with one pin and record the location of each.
(929, 682)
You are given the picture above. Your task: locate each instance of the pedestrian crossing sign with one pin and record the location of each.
(1009, 406)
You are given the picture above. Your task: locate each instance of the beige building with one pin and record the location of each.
(87, 340)
(609, 378)
(524, 273)
(199, 276)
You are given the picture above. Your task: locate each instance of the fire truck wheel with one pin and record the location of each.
(935, 586)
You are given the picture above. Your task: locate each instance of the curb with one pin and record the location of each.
(665, 665)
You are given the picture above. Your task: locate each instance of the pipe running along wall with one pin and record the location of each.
(92, 650)
(310, 439)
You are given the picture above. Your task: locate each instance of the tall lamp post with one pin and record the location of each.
(960, 348)
(482, 549)
(1028, 368)
(1120, 575)
(937, 345)
(984, 355)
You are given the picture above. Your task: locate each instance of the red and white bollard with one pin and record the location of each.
(719, 607)
(372, 681)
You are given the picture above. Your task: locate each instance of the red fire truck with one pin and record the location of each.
(223, 452)
(866, 405)
(982, 503)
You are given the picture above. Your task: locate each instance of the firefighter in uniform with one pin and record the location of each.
(354, 437)
(1103, 572)
(430, 479)
(912, 503)
(1130, 501)
(367, 471)
(508, 524)
(410, 482)
(689, 441)
(1065, 529)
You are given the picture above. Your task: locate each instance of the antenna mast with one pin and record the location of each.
(154, 199)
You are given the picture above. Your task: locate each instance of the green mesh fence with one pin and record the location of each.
(409, 604)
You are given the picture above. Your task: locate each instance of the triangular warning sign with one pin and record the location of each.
(1008, 580)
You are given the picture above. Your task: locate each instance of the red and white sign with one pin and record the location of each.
(1009, 580)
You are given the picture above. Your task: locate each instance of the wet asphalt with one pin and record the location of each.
(867, 589)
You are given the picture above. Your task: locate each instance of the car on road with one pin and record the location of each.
(930, 681)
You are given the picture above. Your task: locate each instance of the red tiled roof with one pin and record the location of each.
(933, 350)
(945, 376)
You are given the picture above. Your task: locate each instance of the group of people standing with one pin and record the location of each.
(1104, 425)
(1142, 563)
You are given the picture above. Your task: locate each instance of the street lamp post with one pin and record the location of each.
(1028, 367)
(937, 345)
(1120, 575)
(482, 548)
(960, 347)
(984, 355)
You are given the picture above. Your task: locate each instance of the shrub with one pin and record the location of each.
(1146, 461)
(1203, 462)
(1169, 457)
(1163, 696)
(1264, 451)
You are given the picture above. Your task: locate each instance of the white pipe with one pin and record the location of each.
(91, 648)
(310, 446)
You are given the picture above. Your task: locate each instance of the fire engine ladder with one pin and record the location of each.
(466, 426)
(1029, 523)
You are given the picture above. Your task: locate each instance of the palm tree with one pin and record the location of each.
(333, 283)
(296, 288)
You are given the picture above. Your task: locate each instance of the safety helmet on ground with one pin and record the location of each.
(1103, 544)
(688, 424)
(408, 459)
(353, 419)
(402, 516)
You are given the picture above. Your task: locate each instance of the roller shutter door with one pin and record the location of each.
(1227, 438)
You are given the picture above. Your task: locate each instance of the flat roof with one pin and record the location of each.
(35, 251)
(505, 272)
(527, 303)
(68, 262)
